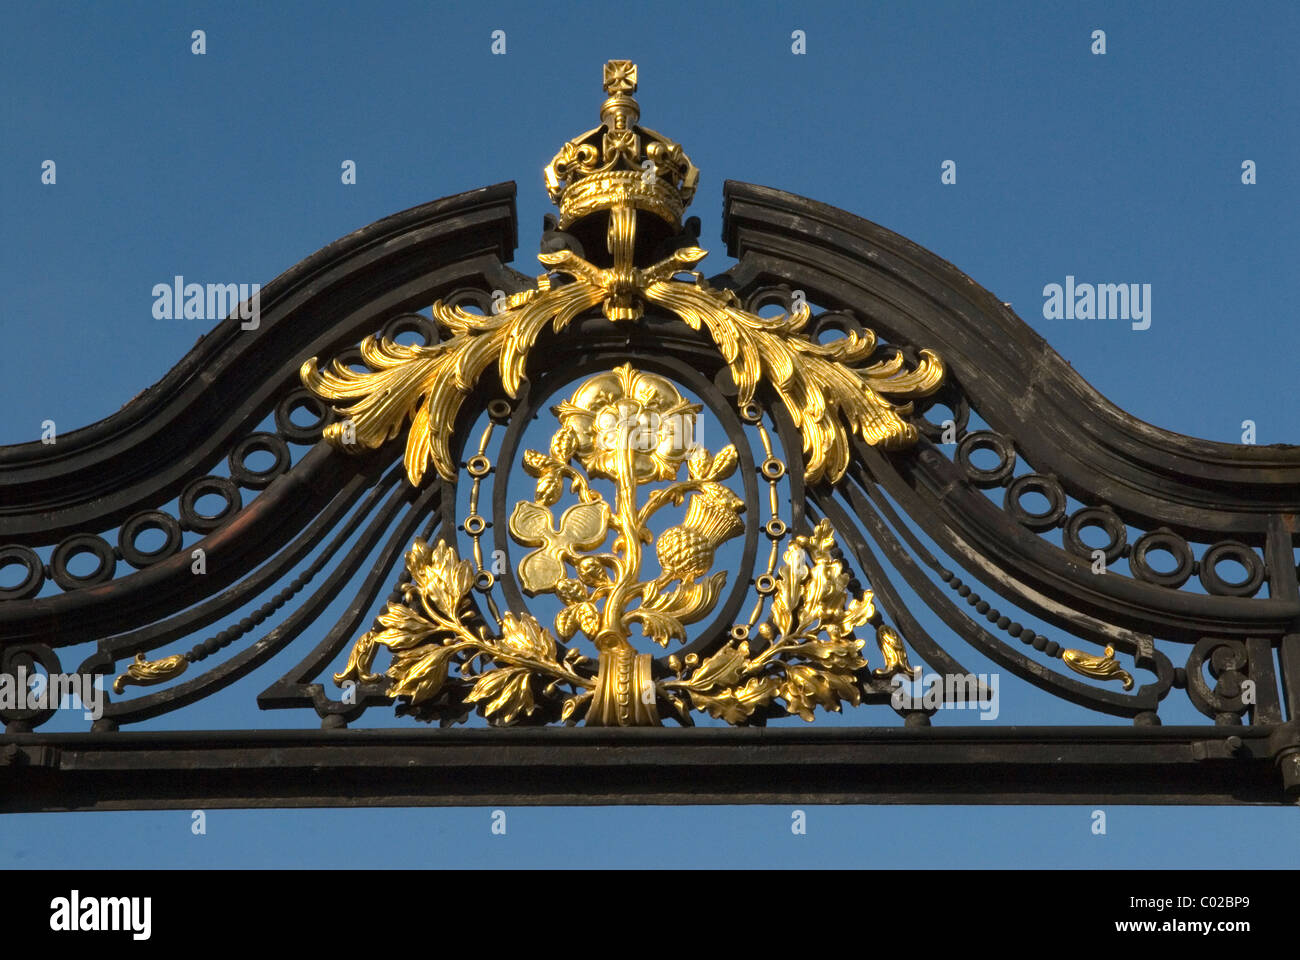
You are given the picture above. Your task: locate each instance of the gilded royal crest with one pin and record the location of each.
(617, 581)
(629, 512)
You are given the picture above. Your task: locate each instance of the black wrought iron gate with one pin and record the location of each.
(891, 432)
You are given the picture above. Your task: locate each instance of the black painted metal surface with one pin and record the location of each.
(1233, 652)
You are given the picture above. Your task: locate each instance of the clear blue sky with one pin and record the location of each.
(1117, 168)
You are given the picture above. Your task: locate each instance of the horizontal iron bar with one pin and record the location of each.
(560, 766)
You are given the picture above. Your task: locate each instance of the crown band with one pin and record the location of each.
(620, 163)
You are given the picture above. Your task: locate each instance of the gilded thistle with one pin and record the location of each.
(445, 662)
(633, 429)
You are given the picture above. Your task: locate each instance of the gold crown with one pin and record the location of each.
(621, 163)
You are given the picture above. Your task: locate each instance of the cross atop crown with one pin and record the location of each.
(621, 163)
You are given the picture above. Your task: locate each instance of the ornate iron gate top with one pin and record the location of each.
(620, 495)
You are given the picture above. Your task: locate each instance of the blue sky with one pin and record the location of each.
(1117, 168)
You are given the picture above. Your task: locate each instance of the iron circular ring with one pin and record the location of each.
(499, 409)
(82, 543)
(986, 440)
(411, 323)
(484, 581)
(960, 408)
(765, 584)
(301, 399)
(222, 487)
(149, 520)
(475, 525)
(1049, 489)
(1244, 555)
(478, 465)
(740, 632)
(470, 297)
(245, 475)
(775, 528)
(28, 658)
(30, 584)
(1096, 517)
(773, 469)
(351, 357)
(751, 412)
(1173, 544)
(842, 322)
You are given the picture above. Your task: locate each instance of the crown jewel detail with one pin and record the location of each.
(620, 162)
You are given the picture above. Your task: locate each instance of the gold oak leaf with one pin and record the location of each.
(806, 687)
(723, 669)
(789, 589)
(840, 654)
(508, 693)
(737, 704)
(525, 637)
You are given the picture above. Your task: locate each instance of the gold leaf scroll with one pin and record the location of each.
(821, 385)
(146, 673)
(825, 387)
(429, 383)
(1105, 667)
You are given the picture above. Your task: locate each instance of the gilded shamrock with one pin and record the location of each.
(635, 429)
(582, 527)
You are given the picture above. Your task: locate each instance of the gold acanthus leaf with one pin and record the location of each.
(825, 386)
(821, 384)
(429, 383)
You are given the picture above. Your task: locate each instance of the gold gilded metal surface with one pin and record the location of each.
(433, 627)
(635, 429)
(620, 164)
(830, 390)
(1104, 667)
(895, 654)
(146, 673)
(824, 387)
(810, 658)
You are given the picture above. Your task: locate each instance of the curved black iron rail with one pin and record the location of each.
(228, 671)
(143, 454)
(1021, 386)
(163, 632)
